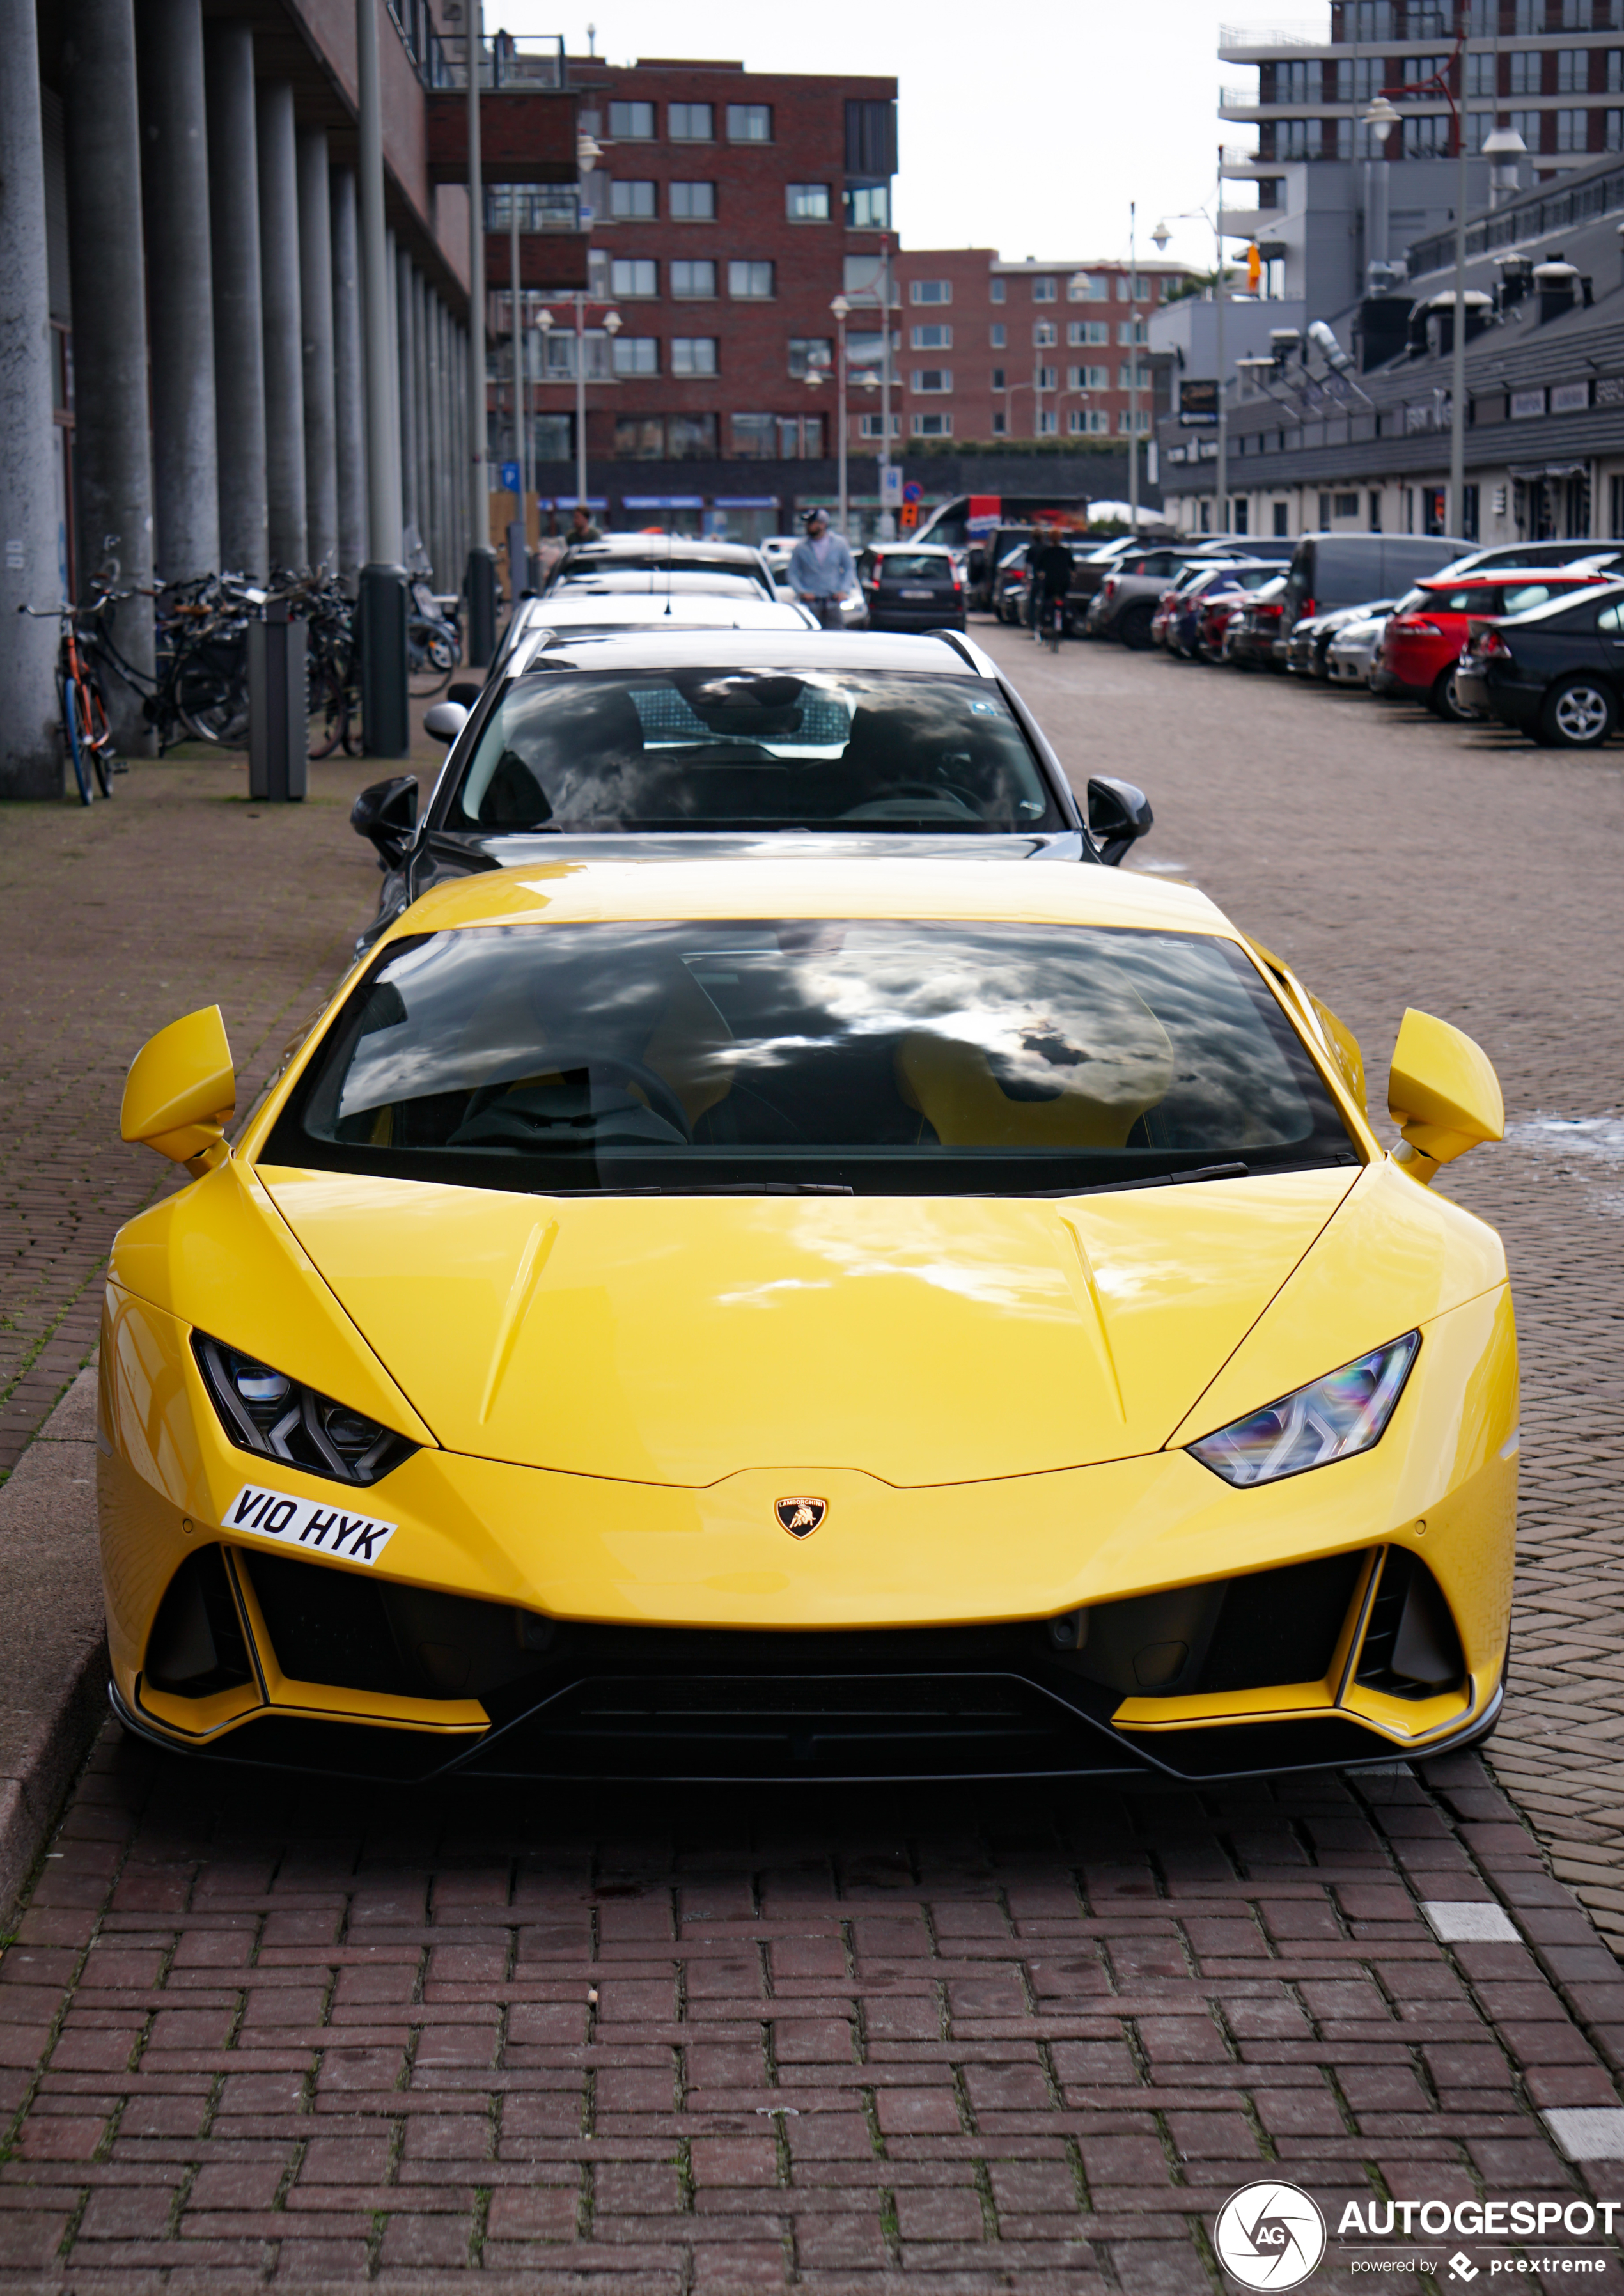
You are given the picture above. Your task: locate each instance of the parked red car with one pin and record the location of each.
(1426, 635)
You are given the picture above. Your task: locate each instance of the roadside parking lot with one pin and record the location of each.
(259, 2033)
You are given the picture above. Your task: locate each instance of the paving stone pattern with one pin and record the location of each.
(260, 2031)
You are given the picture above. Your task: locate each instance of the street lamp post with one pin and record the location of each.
(887, 528)
(481, 575)
(1159, 237)
(841, 309)
(588, 151)
(1133, 372)
(1384, 118)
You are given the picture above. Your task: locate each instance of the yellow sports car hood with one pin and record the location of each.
(677, 1340)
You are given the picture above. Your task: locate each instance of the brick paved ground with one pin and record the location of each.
(1005, 2041)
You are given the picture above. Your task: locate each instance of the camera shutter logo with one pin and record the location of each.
(1269, 2236)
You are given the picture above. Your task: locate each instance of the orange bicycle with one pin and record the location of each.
(85, 729)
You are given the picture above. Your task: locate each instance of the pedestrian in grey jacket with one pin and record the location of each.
(821, 571)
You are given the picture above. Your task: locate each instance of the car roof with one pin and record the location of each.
(631, 610)
(706, 548)
(590, 891)
(660, 647)
(937, 549)
(1574, 576)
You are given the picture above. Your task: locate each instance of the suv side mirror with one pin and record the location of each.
(1442, 1094)
(181, 1090)
(1118, 815)
(386, 814)
(445, 721)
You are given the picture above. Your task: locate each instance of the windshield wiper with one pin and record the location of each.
(1156, 1180)
(710, 1188)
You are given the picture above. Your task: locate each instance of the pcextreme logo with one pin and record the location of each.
(1269, 2236)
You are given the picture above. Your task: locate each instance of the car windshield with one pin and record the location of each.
(730, 749)
(913, 566)
(658, 581)
(874, 1056)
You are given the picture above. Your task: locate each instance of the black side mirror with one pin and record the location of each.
(465, 693)
(386, 814)
(1118, 815)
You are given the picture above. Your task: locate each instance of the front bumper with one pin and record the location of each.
(523, 1622)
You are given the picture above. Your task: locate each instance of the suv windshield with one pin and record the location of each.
(731, 749)
(891, 1057)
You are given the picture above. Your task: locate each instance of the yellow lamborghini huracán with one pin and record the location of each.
(766, 1319)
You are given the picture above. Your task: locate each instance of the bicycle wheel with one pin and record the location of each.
(70, 730)
(213, 705)
(96, 733)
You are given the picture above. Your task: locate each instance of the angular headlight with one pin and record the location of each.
(1335, 1418)
(266, 1412)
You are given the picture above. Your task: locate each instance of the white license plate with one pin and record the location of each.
(914, 596)
(310, 1523)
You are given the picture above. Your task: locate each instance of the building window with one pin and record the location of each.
(692, 203)
(1131, 331)
(1615, 69)
(998, 373)
(931, 379)
(930, 291)
(1613, 122)
(1044, 290)
(1573, 131)
(1372, 507)
(1573, 71)
(1527, 126)
(749, 123)
(1283, 527)
(807, 202)
(869, 351)
(1000, 427)
(1478, 127)
(1325, 510)
(691, 282)
(634, 276)
(636, 354)
(1428, 137)
(809, 354)
(1417, 69)
(1299, 139)
(553, 438)
(1525, 71)
(692, 436)
(693, 353)
(800, 438)
(1240, 509)
(861, 275)
(1126, 424)
(1048, 423)
(870, 426)
(868, 207)
(632, 123)
(939, 338)
(1479, 74)
(639, 438)
(1088, 378)
(690, 123)
(1364, 21)
(1088, 334)
(749, 282)
(997, 290)
(995, 335)
(1134, 378)
(1344, 506)
(1088, 287)
(1047, 378)
(1136, 289)
(754, 435)
(1045, 334)
(633, 202)
(871, 136)
(932, 426)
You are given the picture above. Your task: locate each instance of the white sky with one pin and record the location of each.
(1027, 129)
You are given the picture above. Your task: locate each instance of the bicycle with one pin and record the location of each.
(85, 729)
(1054, 621)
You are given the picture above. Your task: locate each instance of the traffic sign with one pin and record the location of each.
(912, 492)
(907, 517)
(509, 478)
(890, 485)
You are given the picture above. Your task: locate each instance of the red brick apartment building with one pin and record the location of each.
(729, 210)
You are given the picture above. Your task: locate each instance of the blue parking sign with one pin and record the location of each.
(509, 478)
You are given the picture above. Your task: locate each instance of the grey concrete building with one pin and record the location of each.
(182, 354)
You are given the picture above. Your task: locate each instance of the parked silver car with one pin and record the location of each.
(1351, 655)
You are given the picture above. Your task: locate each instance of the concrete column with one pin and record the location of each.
(463, 449)
(391, 276)
(31, 569)
(111, 460)
(405, 367)
(315, 319)
(350, 428)
(450, 560)
(284, 382)
(431, 360)
(420, 400)
(239, 331)
(180, 298)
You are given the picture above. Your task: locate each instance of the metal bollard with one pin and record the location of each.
(278, 706)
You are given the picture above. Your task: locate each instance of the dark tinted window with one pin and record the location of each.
(749, 749)
(913, 566)
(657, 580)
(921, 1057)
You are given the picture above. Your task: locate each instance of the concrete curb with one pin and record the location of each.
(54, 1697)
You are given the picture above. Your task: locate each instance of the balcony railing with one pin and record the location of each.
(534, 61)
(1237, 40)
(542, 207)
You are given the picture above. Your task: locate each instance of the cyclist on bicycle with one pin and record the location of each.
(1050, 571)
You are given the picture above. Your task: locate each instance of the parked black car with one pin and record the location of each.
(1556, 672)
(911, 585)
